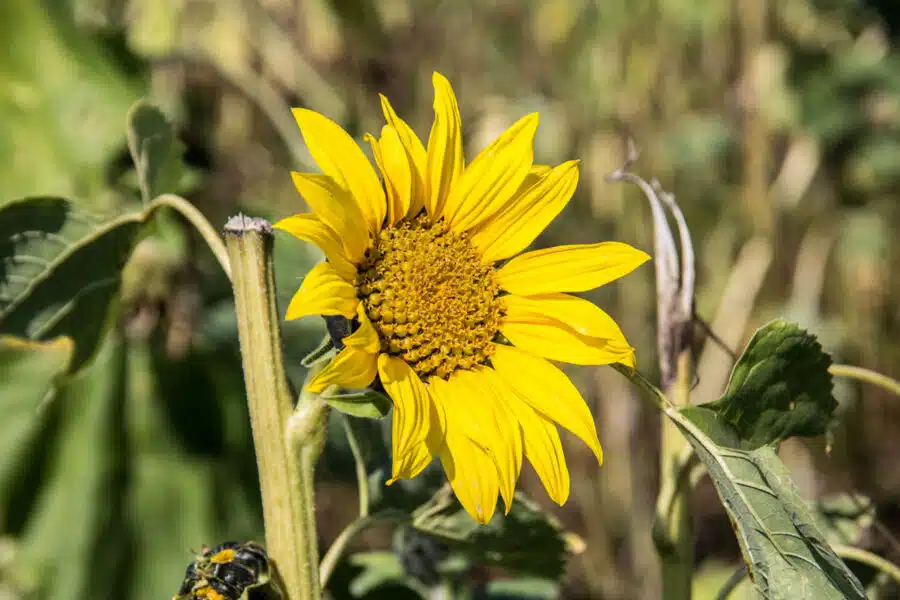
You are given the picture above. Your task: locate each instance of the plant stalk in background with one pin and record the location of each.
(674, 529)
(287, 443)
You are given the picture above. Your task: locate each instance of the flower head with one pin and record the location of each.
(460, 341)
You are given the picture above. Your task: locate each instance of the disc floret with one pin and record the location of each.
(429, 297)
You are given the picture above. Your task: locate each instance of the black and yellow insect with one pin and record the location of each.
(226, 572)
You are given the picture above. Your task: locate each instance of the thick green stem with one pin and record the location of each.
(673, 529)
(287, 444)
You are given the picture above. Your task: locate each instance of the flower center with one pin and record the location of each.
(430, 299)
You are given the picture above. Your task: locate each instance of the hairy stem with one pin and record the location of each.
(287, 442)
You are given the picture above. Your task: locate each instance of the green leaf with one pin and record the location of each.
(81, 499)
(507, 541)
(27, 373)
(779, 388)
(155, 150)
(60, 270)
(323, 352)
(378, 569)
(522, 588)
(786, 553)
(148, 460)
(367, 403)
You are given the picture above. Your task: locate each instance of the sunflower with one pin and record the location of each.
(459, 327)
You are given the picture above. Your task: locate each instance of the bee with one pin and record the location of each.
(226, 572)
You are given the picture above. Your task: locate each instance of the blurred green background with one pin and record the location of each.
(775, 123)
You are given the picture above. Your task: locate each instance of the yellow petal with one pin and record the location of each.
(535, 173)
(412, 409)
(565, 328)
(394, 163)
(505, 445)
(309, 228)
(323, 292)
(528, 214)
(365, 337)
(470, 469)
(490, 180)
(340, 158)
(444, 157)
(414, 462)
(548, 391)
(416, 152)
(543, 449)
(574, 268)
(337, 208)
(421, 454)
(351, 368)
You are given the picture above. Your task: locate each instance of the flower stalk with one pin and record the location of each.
(287, 442)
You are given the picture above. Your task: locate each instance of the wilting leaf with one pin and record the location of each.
(780, 387)
(786, 553)
(507, 541)
(60, 270)
(155, 150)
(369, 404)
(27, 373)
(674, 278)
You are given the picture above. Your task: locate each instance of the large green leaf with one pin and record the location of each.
(60, 270)
(507, 541)
(780, 387)
(150, 459)
(787, 555)
(71, 547)
(27, 371)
